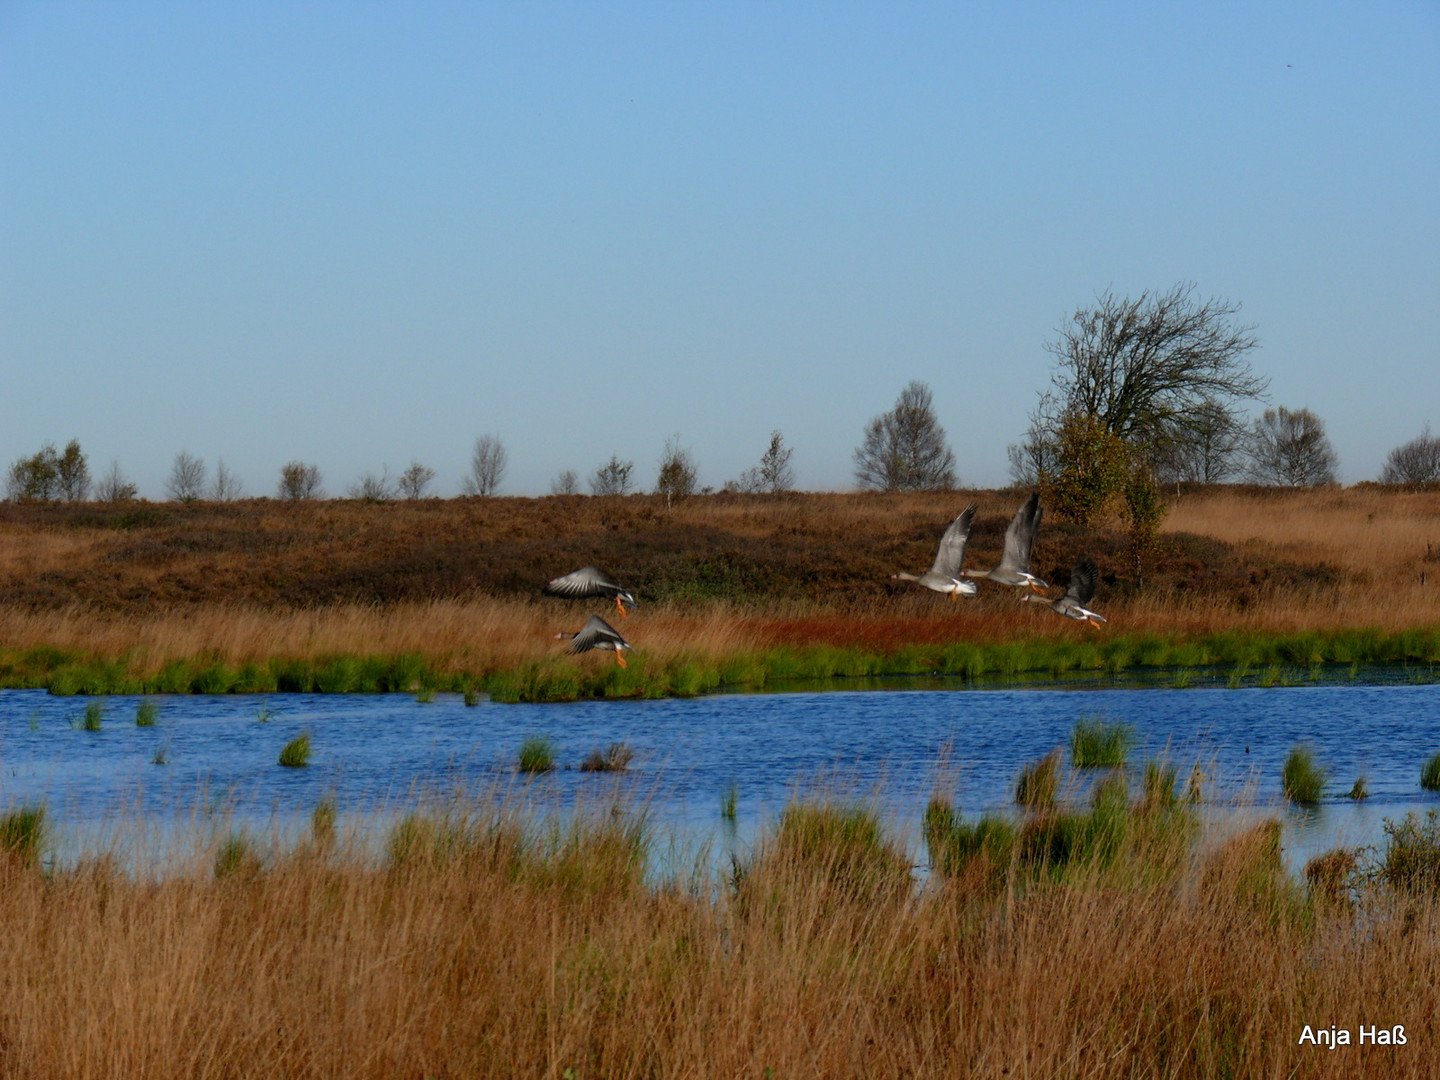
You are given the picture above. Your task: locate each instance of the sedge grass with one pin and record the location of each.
(1430, 774)
(537, 754)
(1302, 779)
(1099, 743)
(614, 758)
(296, 753)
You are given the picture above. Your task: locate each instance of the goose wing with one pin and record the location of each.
(1082, 583)
(597, 633)
(587, 581)
(1020, 535)
(952, 544)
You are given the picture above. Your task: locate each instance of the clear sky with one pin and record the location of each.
(358, 234)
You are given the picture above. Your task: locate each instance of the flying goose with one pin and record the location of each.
(1072, 604)
(1014, 568)
(597, 634)
(591, 581)
(944, 576)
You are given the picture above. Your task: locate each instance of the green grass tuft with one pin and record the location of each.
(1430, 774)
(537, 754)
(1097, 743)
(146, 713)
(94, 714)
(1302, 779)
(296, 754)
(23, 835)
(1358, 790)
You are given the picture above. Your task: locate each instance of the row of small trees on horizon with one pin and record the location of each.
(1145, 392)
(50, 476)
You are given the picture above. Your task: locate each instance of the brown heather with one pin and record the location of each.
(472, 951)
(458, 580)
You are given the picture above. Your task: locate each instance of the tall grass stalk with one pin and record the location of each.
(1039, 784)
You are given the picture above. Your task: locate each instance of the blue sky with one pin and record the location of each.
(360, 234)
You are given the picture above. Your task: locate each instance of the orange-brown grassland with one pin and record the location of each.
(495, 933)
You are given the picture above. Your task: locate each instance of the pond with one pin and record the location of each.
(377, 752)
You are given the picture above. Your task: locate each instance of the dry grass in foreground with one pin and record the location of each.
(491, 941)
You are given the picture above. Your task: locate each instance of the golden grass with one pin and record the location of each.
(496, 943)
(458, 581)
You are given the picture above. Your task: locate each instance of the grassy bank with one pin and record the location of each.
(487, 938)
(748, 591)
(1236, 659)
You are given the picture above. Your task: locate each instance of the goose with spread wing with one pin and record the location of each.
(591, 581)
(597, 634)
(945, 575)
(1014, 568)
(1072, 604)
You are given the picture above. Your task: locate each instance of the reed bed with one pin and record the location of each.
(490, 937)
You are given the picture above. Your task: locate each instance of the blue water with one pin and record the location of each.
(372, 752)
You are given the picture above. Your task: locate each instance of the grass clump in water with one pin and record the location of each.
(296, 754)
(1098, 743)
(1359, 790)
(146, 713)
(729, 802)
(22, 835)
(1302, 779)
(94, 714)
(537, 754)
(1430, 774)
(1039, 783)
(615, 758)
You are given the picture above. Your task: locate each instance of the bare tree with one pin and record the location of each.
(226, 487)
(775, 472)
(115, 487)
(299, 482)
(1152, 370)
(1209, 449)
(414, 480)
(1290, 448)
(372, 488)
(904, 449)
(186, 482)
(567, 483)
(677, 476)
(1415, 462)
(612, 478)
(487, 466)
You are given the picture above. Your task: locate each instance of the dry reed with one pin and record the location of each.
(490, 941)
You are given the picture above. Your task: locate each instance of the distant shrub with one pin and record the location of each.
(299, 482)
